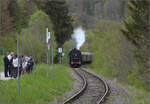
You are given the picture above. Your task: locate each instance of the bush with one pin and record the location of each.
(8, 43)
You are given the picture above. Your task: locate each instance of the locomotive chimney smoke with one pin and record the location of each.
(79, 36)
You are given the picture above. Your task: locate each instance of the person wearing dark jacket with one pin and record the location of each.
(6, 63)
(10, 66)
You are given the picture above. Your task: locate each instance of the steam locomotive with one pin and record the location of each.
(78, 58)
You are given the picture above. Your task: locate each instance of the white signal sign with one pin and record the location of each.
(59, 50)
(46, 35)
(48, 38)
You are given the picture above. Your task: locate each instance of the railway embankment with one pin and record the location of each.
(122, 93)
(118, 93)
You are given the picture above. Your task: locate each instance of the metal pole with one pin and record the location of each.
(49, 57)
(3, 52)
(47, 50)
(47, 62)
(60, 55)
(18, 62)
(52, 63)
(59, 59)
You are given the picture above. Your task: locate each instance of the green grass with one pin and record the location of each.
(1, 63)
(141, 96)
(36, 88)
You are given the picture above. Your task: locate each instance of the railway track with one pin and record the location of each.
(93, 90)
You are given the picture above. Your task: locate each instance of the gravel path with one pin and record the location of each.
(2, 77)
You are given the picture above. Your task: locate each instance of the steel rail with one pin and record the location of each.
(104, 82)
(81, 91)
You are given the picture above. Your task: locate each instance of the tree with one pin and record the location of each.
(59, 14)
(136, 30)
(33, 38)
(7, 26)
(21, 11)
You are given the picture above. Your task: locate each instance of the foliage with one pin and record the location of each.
(8, 43)
(22, 14)
(141, 96)
(137, 29)
(135, 80)
(105, 43)
(38, 23)
(113, 56)
(89, 6)
(31, 46)
(33, 39)
(6, 25)
(1, 63)
(59, 14)
(36, 88)
(136, 24)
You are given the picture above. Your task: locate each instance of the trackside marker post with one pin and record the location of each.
(49, 41)
(47, 62)
(47, 49)
(60, 55)
(3, 51)
(18, 62)
(52, 63)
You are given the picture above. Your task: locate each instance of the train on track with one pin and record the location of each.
(78, 58)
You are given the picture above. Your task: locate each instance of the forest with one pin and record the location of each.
(117, 32)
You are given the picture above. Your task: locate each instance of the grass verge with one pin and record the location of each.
(140, 95)
(1, 63)
(36, 88)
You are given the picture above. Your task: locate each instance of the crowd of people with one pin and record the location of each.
(17, 65)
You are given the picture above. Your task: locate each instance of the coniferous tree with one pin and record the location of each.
(136, 30)
(62, 21)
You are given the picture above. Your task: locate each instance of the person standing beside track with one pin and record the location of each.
(10, 66)
(15, 66)
(6, 63)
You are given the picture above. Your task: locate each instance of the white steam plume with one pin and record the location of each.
(79, 36)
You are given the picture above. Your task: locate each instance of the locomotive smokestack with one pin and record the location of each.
(79, 36)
